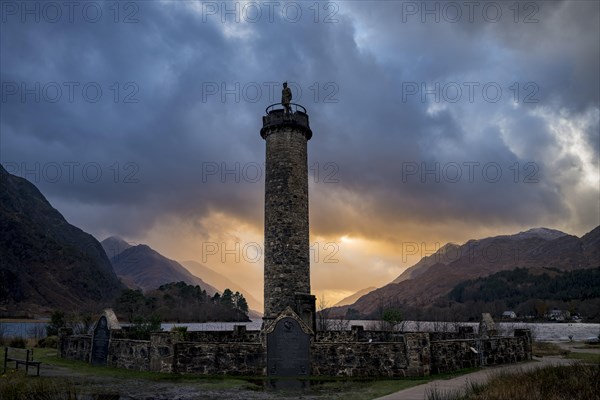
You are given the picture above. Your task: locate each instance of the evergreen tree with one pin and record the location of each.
(227, 298)
(57, 321)
(392, 317)
(216, 298)
(131, 302)
(241, 303)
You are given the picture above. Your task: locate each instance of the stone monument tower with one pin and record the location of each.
(287, 248)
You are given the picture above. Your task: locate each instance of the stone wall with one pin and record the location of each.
(358, 334)
(418, 350)
(211, 353)
(505, 350)
(162, 351)
(335, 353)
(129, 354)
(370, 353)
(239, 334)
(75, 347)
(452, 355)
(464, 332)
(359, 359)
(220, 358)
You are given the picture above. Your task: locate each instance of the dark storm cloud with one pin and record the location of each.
(445, 53)
(159, 142)
(161, 145)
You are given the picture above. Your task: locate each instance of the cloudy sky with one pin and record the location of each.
(433, 122)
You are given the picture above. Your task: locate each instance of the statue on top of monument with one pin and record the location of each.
(286, 98)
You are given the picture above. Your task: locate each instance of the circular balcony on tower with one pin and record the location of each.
(277, 117)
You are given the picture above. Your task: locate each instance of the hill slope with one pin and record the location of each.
(45, 262)
(221, 282)
(352, 298)
(531, 292)
(521, 284)
(536, 248)
(114, 246)
(147, 269)
(444, 255)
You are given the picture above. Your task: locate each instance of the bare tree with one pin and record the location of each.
(402, 326)
(339, 324)
(323, 321)
(418, 325)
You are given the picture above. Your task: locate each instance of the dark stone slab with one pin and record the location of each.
(100, 341)
(288, 355)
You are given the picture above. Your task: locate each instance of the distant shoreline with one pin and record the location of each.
(32, 320)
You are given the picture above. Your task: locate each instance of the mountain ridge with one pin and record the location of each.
(114, 245)
(353, 297)
(147, 269)
(137, 279)
(45, 262)
(483, 257)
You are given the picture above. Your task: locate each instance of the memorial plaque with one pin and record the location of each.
(288, 354)
(100, 341)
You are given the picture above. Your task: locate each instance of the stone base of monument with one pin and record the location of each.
(288, 341)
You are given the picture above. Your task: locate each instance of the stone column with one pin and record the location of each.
(287, 248)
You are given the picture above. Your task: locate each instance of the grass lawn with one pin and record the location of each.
(541, 349)
(587, 357)
(591, 346)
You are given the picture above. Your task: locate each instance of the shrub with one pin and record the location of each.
(17, 342)
(141, 328)
(181, 331)
(50, 342)
(57, 321)
(2, 337)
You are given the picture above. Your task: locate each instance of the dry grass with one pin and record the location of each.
(575, 382)
(18, 342)
(17, 386)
